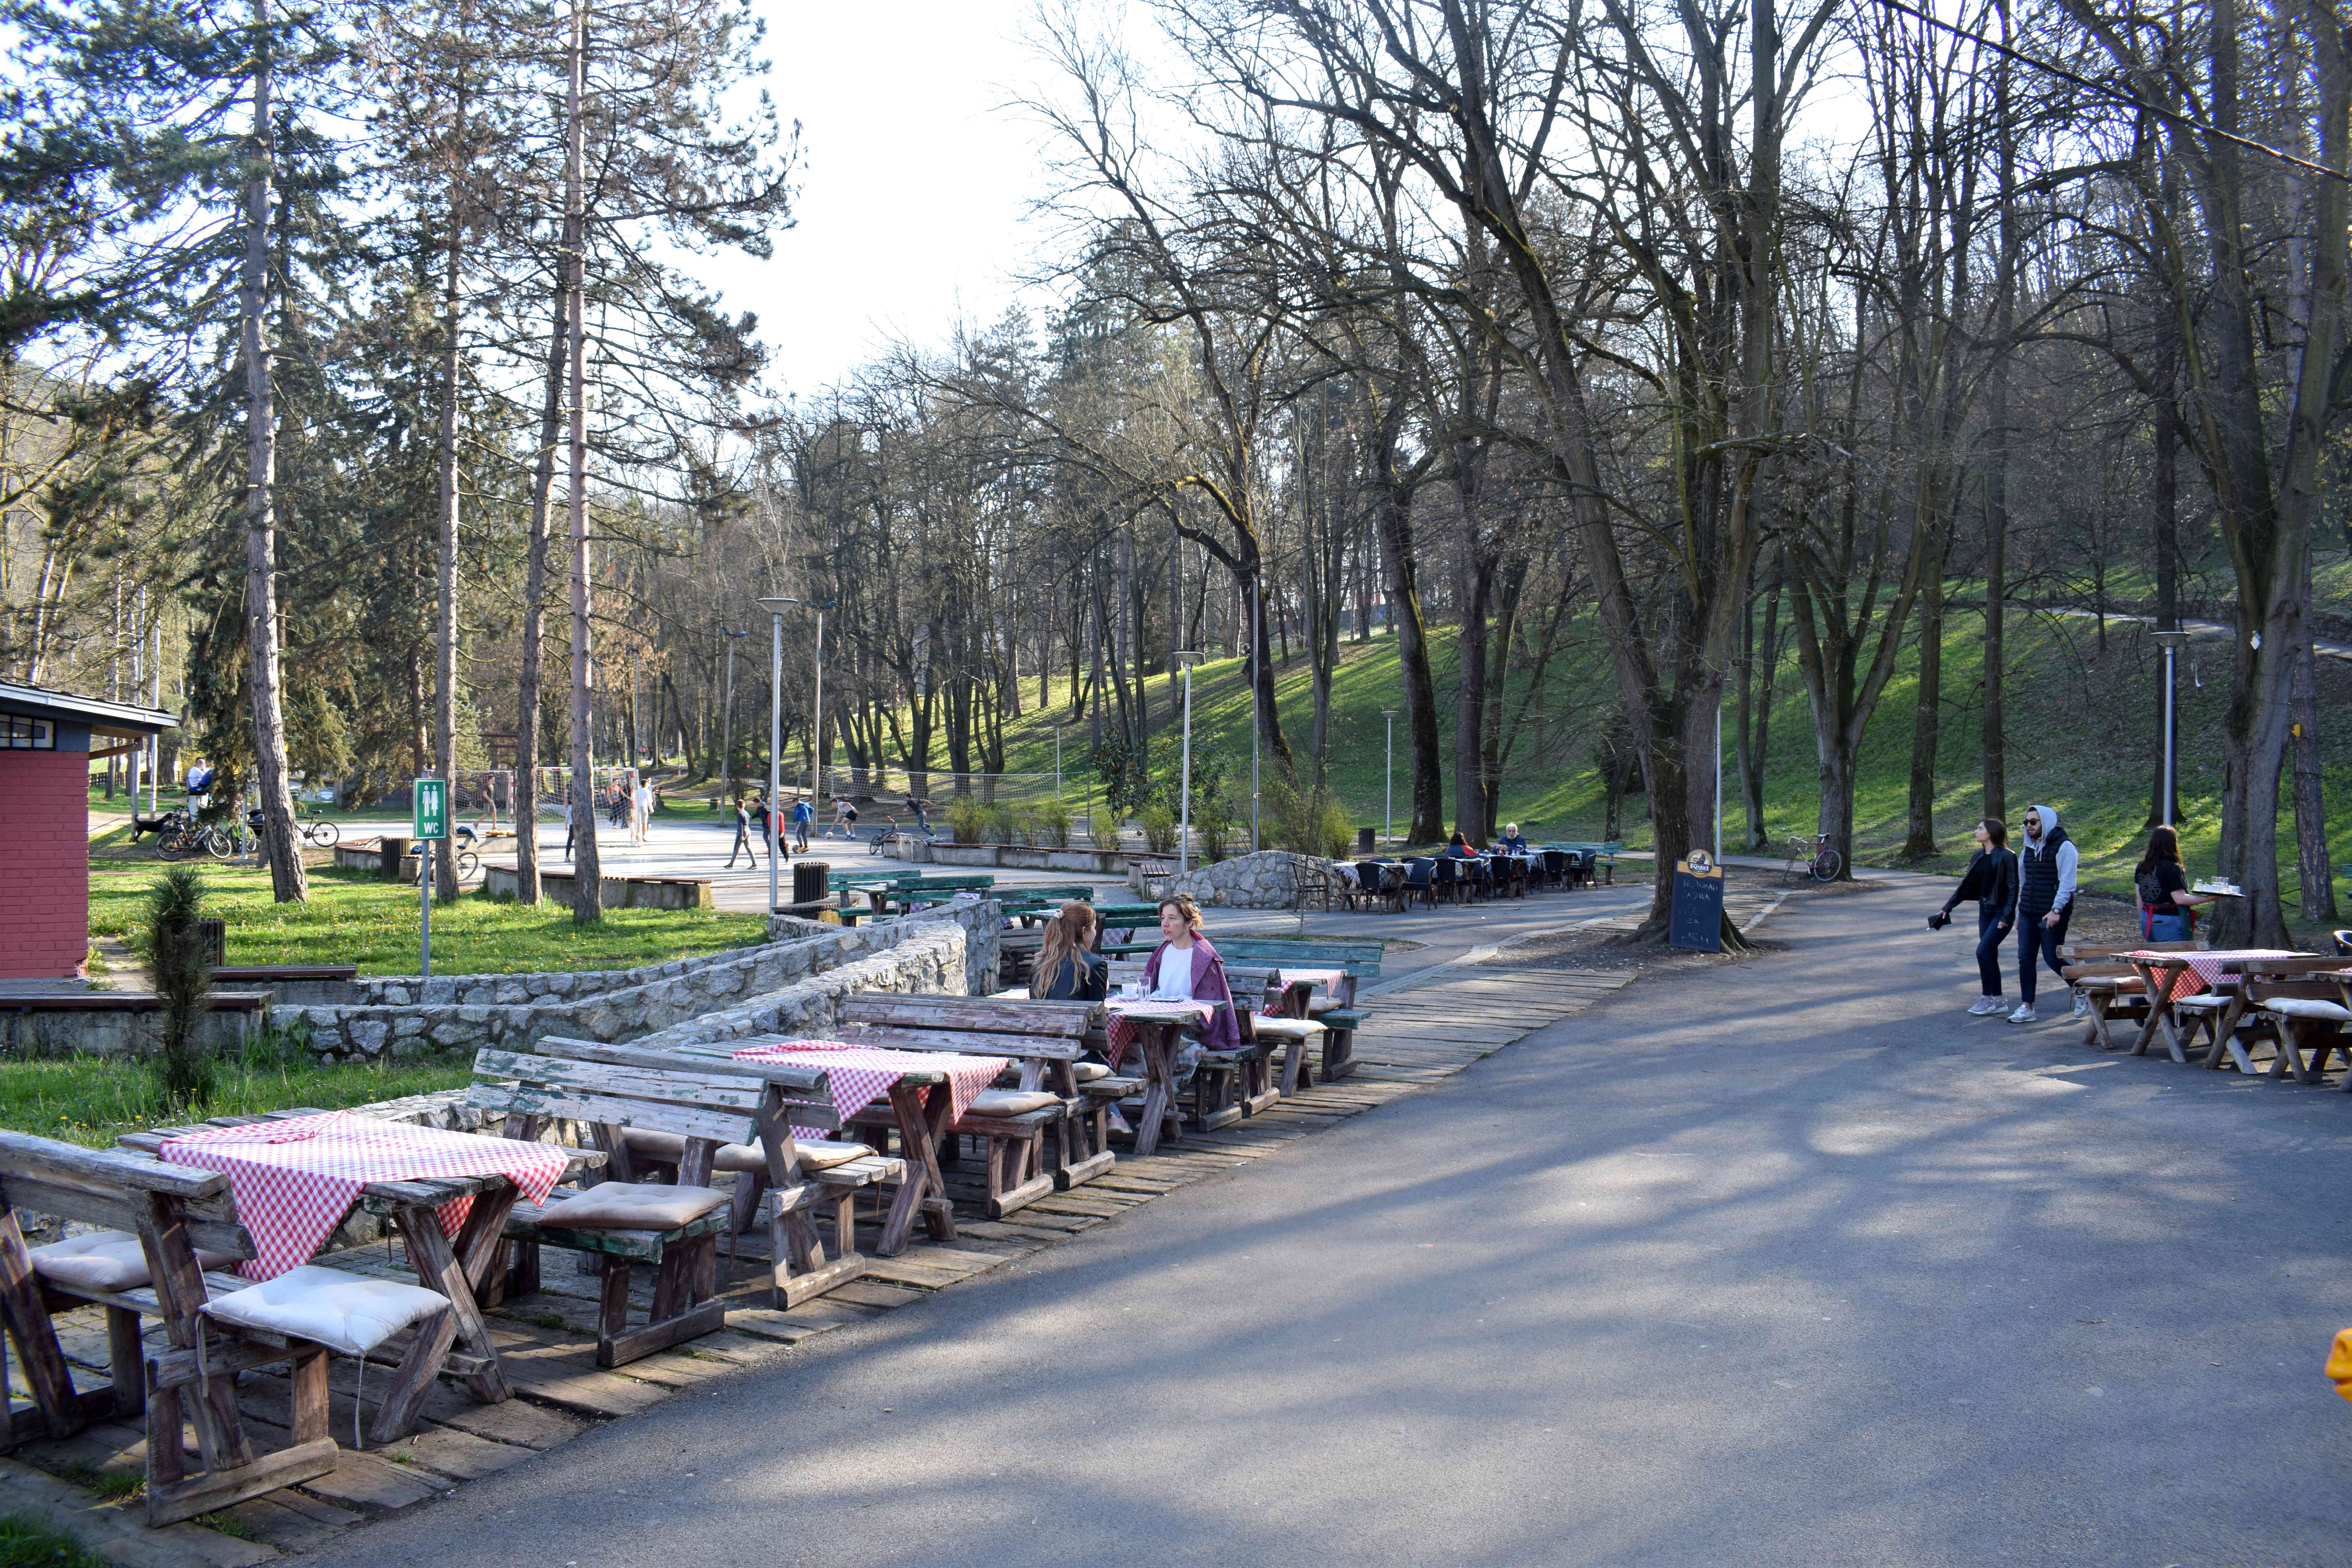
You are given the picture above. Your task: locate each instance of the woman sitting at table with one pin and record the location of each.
(2167, 907)
(1460, 847)
(1068, 968)
(1512, 842)
(1185, 968)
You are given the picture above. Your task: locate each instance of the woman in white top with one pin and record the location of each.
(1185, 968)
(645, 812)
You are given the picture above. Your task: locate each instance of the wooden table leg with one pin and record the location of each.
(438, 1269)
(919, 1133)
(1159, 1045)
(2160, 1004)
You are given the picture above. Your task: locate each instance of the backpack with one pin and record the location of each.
(2152, 891)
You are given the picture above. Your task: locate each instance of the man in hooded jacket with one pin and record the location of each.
(2045, 903)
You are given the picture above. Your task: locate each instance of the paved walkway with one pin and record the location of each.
(1786, 1261)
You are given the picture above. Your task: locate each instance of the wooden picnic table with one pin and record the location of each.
(1159, 1034)
(922, 1118)
(467, 1268)
(2166, 975)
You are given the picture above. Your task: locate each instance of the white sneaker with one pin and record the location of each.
(1984, 1005)
(2081, 1004)
(2024, 1013)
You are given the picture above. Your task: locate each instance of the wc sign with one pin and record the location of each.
(431, 803)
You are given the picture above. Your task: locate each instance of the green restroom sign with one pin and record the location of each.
(431, 798)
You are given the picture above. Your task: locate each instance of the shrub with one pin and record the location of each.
(966, 819)
(1158, 825)
(183, 977)
(1052, 826)
(1019, 825)
(1102, 830)
(1309, 822)
(1213, 824)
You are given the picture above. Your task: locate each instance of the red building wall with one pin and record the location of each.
(44, 864)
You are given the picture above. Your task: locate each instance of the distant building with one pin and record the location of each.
(47, 740)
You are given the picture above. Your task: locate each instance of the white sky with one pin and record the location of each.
(913, 184)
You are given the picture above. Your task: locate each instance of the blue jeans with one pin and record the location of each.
(2168, 927)
(1992, 929)
(2036, 940)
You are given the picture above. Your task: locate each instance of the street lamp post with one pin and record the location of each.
(1184, 832)
(2167, 802)
(1059, 726)
(774, 604)
(1255, 675)
(1388, 791)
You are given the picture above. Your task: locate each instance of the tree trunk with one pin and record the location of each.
(534, 610)
(1927, 723)
(2317, 871)
(587, 868)
(444, 640)
(1412, 632)
(287, 881)
(1755, 748)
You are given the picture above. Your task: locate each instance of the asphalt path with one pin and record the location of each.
(1787, 1261)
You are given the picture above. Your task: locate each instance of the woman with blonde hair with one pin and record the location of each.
(1068, 968)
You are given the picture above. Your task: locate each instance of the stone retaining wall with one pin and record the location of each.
(458, 1015)
(934, 961)
(1265, 881)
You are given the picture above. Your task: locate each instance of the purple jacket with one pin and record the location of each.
(1221, 1033)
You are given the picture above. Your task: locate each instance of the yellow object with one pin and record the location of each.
(2339, 1364)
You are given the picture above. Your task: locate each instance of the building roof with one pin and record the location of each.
(124, 720)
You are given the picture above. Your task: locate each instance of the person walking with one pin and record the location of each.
(803, 816)
(570, 825)
(2167, 910)
(744, 842)
(1991, 881)
(641, 815)
(919, 806)
(2045, 904)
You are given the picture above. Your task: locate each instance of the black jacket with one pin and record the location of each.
(1990, 879)
(1082, 977)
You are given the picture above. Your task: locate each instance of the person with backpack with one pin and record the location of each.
(2045, 904)
(1991, 881)
(2167, 907)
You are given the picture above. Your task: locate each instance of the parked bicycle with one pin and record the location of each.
(1812, 858)
(318, 832)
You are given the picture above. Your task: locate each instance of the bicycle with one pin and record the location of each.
(1812, 858)
(318, 832)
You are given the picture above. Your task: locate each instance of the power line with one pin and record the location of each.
(2118, 95)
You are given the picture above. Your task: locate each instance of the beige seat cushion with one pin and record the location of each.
(348, 1312)
(824, 1153)
(743, 1159)
(633, 1205)
(1011, 1102)
(2307, 1007)
(1088, 1071)
(107, 1260)
(1285, 1028)
(2205, 1002)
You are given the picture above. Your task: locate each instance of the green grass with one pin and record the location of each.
(92, 1100)
(352, 917)
(29, 1543)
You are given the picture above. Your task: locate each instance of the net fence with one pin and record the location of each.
(487, 795)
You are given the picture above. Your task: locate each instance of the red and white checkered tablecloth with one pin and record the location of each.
(2205, 968)
(860, 1075)
(1119, 1031)
(295, 1180)
(1286, 977)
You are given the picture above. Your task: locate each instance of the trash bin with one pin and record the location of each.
(809, 878)
(396, 850)
(1364, 840)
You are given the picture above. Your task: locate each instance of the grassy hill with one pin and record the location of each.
(2081, 739)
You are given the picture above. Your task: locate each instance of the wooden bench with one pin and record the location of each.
(2307, 1020)
(1045, 1040)
(673, 1227)
(157, 1217)
(1230, 1085)
(1335, 1011)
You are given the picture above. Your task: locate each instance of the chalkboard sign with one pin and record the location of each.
(1696, 922)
